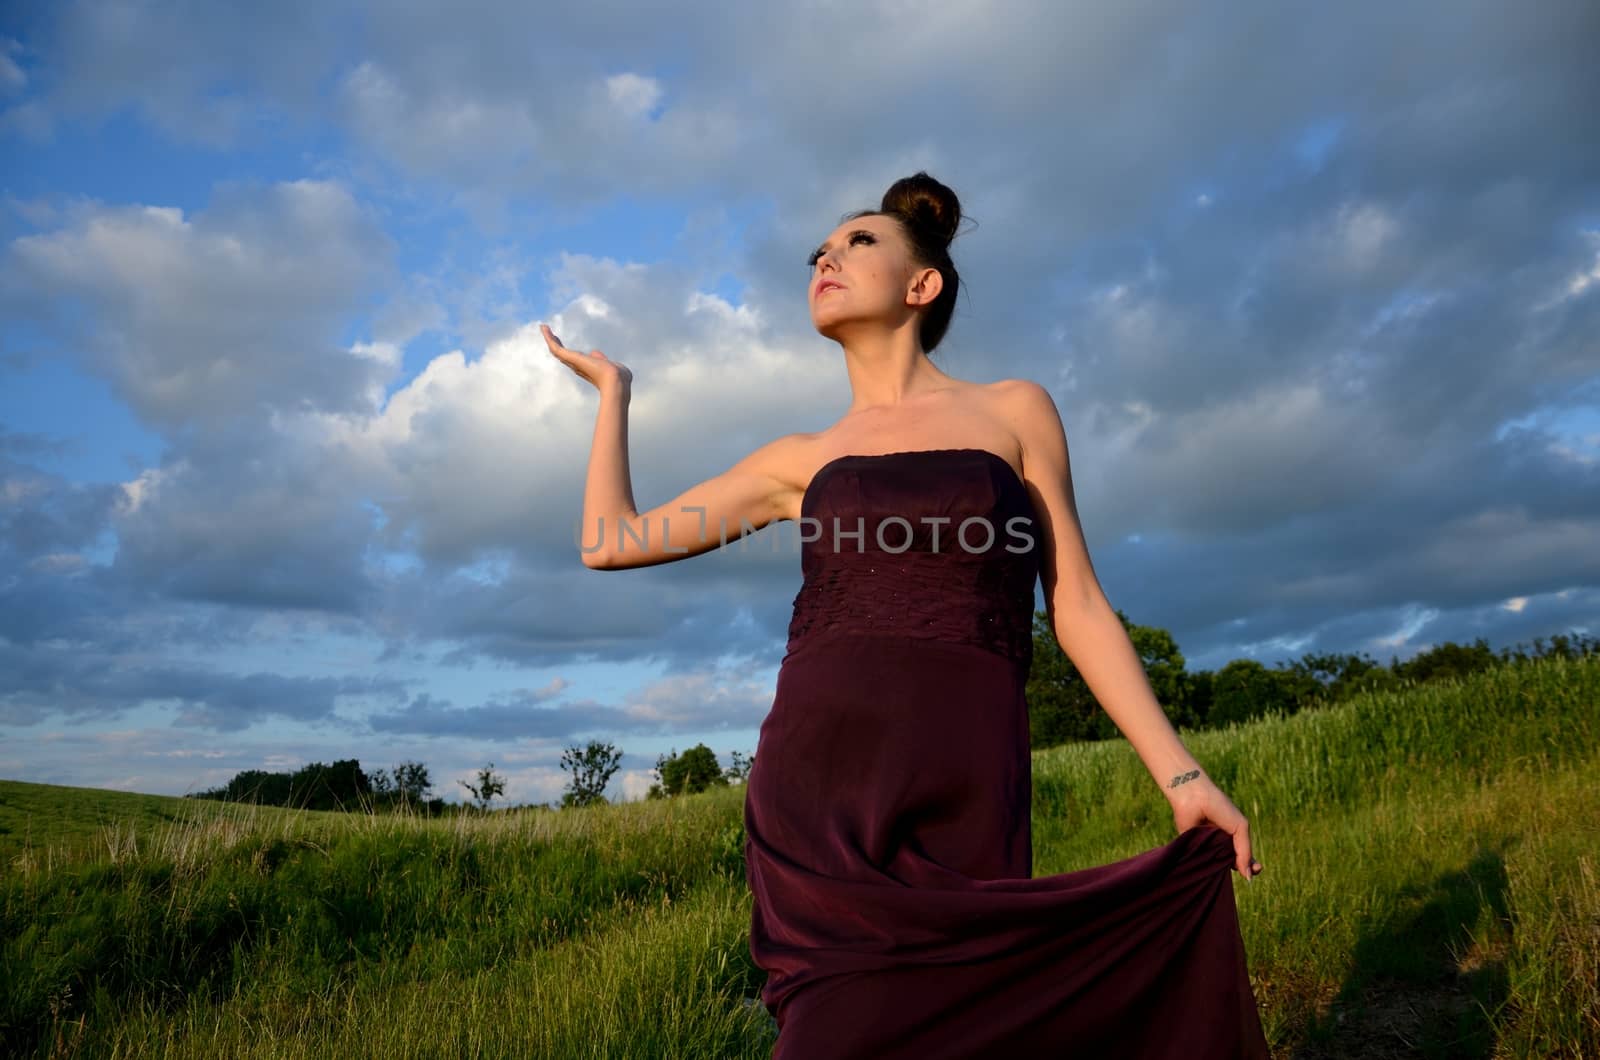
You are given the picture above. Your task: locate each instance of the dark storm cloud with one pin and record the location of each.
(251, 520)
(43, 682)
(49, 589)
(427, 716)
(541, 616)
(44, 519)
(77, 636)
(56, 587)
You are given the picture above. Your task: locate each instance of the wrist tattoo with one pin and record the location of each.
(1184, 778)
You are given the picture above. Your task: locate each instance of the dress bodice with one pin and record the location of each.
(934, 543)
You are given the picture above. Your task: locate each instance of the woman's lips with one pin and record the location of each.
(828, 285)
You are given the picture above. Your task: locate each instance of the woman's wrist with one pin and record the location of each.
(1181, 779)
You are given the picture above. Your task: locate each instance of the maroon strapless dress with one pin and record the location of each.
(888, 842)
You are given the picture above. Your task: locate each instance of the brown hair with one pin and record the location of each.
(928, 213)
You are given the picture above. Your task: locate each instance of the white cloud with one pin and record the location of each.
(1362, 233)
(632, 94)
(211, 317)
(144, 486)
(488, 453)
(703, 699)
(453, 134)
(1581, 280)
(1349, 244)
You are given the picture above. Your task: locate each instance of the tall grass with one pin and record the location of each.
(186, 911)
(1539, 715)
(1430, 890)
(1431, 859)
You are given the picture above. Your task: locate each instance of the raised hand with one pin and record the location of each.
(593, 367)
(1196, 800)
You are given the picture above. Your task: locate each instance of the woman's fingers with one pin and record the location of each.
(1220, 811)
(1248, 865)
(555, 345)
(1203, 802)
(571, 358)
(593, 367)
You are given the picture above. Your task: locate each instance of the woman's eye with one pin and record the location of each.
(855, 237)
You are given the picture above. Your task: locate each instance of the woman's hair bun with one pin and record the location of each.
(925, 204)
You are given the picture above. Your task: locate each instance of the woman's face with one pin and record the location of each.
(862, 272)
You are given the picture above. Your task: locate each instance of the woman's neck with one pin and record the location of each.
(889, 369)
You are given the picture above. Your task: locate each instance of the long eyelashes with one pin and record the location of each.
(859, 234)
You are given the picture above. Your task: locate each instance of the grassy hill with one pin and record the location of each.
(1432, 889)
(49, 821)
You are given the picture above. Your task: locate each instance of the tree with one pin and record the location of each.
(739, 771)
(1448, 661)
(1566, 646)
(1245, 689)
(253, 786)
(695, 770)
(1340, 676)
(1061, 706)
(1164, 668)
(411, 782)
(407, 785)
(591, 769)
(1061, 709)
(1198, 691)
(338, 786)
(488, 786)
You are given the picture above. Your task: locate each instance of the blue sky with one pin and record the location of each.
(286, 473)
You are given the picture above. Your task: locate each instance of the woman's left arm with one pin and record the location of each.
(1092, 636)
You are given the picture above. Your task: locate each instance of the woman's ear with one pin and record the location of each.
(925, 287)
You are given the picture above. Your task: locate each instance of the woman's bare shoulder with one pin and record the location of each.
(1019, 399)
(1029, 414)
(1030, 411)
(997, 397)
(1013, 389)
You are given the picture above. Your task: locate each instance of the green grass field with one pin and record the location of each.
(1431, 890)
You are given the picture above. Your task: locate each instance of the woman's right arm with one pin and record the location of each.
(614, 535)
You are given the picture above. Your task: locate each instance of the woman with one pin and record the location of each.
(888, 844)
